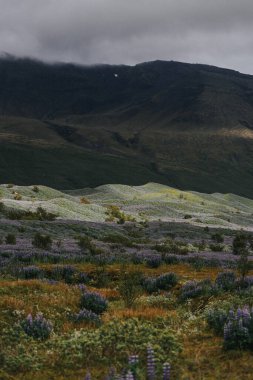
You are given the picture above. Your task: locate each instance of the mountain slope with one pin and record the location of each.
(67, 126)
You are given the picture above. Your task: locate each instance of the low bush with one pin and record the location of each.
(118, 239)
(10, 239)
(130, 288)
(37, 327)
(218, 237)
(166, 281)
(153, 262)
(193, 289)
(42, 241)
(85, 243)
(226, 281)
(30, 272)
(88, 316)
(217, 247)
(216, 319)
(149, 285)
(238, 330)
(84, 201)
(66, 273)
(94, 302)
(39, 214)
(240, 243)
(114, 340)
(164, 301)
(35, 189)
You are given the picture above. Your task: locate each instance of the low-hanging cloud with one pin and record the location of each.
(217, 32)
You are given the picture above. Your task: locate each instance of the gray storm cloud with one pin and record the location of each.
(217, 32)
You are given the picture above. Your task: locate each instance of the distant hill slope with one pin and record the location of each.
(150, 202)
(66, 126)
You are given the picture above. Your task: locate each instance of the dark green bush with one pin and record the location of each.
(216, 319)
(94, 302)
(130, 288)
(166, 281)
(10, 239)
(42, 241)
(218, 237)
(240, 243)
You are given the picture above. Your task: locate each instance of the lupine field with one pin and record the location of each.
(126, 283)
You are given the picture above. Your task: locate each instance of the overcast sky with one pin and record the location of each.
(217, 32)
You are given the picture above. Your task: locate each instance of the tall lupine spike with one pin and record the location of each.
(246, 315)
(129, 375)
(133, 360)
(239, 313)
(227, 331)
(87, 376)
(150, 364)
(166, 371)
(231, 314)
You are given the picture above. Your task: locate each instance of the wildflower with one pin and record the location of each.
(166, 371)
(150, 364)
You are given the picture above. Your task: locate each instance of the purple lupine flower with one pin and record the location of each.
(87, 376)
(227, 330)
(85, 315)
(82, 288)
(129, 375)
(38, 327)
(29, 319)
(150, 364)
(239, 313)
(243, 330)
(166, 371)
(133, 360)
(246, 315)
(231, 314)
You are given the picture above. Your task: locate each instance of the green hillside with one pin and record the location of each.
(150, 202)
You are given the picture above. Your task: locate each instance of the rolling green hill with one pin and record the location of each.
(150, 202)
(183, 125)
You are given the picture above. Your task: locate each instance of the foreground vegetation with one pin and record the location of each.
(124, 297)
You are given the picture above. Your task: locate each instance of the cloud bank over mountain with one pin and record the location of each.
(118, 31)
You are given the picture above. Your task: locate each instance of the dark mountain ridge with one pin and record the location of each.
(68, 126)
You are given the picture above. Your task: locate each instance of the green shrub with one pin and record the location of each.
(35, 189)
(37, 327)
(118, 239)
(94, 302)
(217, 247)
(226, 281)
(238, 329)
(166, 281)
(218, 237)
(10, 239)
(42, 241)
(216, 319)
(161, 301)
(85, 243)
(84, 201)
(39, 214)
(130, 288)
(1, 207)
(240, 243)
(114, 340)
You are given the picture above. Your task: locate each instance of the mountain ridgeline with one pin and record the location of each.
(68, 126)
